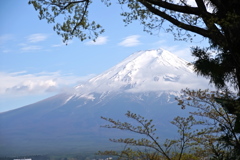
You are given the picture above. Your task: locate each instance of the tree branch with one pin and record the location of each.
(208, 20)
(154, 140)
(84, 12)
(173, 7)
(176, 22)
(68, 4)
(211, 32)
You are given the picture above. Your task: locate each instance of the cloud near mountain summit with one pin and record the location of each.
(22, 83)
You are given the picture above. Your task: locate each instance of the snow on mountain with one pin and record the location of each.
(144, 71)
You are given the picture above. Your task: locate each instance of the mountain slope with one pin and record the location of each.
(145, 83)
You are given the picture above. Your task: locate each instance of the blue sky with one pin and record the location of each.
(35, 64)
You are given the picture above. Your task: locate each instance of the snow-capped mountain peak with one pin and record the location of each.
(151, 70)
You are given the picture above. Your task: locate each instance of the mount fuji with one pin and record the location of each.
(144, 71)
(145, 83)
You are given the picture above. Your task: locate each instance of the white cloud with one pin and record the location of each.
(22, 83)
(99, 41)
(180, 49)
(160, 42)
(6, 50)
(63, 44)
(130, 41)
(5, 38)
(58, 45)
(191, 2)
(181, 52)
(30, 48)
(38, 37)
